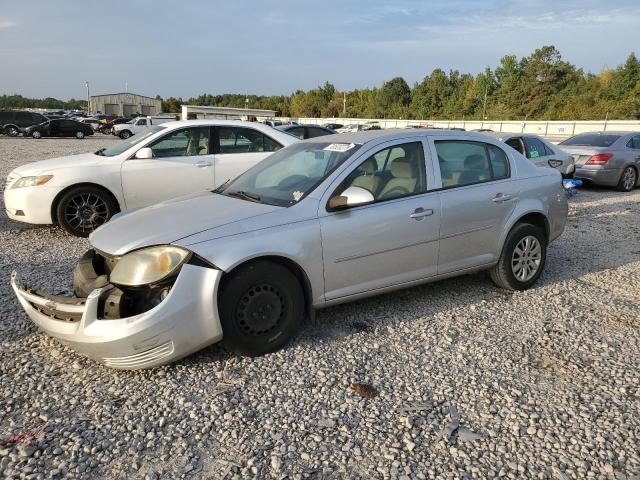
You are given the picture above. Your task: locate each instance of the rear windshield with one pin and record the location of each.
(592, 140)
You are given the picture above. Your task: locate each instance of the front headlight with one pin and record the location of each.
(148, 265)
(31, 181)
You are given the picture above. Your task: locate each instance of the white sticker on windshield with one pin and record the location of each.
(297, 195)
(339, 147)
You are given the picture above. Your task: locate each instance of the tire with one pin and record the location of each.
(628, 179)
(83, 209)
(12, 131)
(80, 135)
(265, 289)
(510, 274)
(36, 134)
(124, 134)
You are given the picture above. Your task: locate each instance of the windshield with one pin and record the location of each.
(128, 143)
(288, 175)
(592, 140)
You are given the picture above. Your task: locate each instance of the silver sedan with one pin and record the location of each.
(606, 158)
(321, 222)
(540, 151)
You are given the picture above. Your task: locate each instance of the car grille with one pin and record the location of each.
(142, 359)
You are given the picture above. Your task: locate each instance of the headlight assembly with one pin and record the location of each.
(31, 181)
(148, 265)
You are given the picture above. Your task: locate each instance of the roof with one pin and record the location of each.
(124, 93)
(393, 134)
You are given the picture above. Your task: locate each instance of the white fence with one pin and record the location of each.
(555, 130)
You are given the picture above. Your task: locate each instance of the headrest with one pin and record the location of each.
(401, 168)
(475, 162)
(369, 166)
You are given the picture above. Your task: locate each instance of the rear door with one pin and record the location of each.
(478, 197)
(237, 149)
(182, 164)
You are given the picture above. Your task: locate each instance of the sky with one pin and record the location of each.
(190, 47)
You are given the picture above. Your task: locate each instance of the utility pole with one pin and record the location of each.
(126, 87)
(344, 103)
(484, 103)
(86, 84)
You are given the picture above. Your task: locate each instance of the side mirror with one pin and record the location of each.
(351, 197)
(144, 153)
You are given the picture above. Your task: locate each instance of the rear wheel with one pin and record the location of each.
(80, 134)
(628, 179)
(36, 134)
(522, 260)
(83, 209)
(261, 306)
(125, 134)
(12, 131)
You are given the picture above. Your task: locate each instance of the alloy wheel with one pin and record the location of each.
(86, 212)
(526, 258)
(628, 178)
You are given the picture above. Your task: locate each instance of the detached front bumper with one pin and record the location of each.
(184, 322)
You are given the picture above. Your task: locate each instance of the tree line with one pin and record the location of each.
(541, 86)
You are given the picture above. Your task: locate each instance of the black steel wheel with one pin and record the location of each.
(83, 209)
(261, 305)
(12, 131)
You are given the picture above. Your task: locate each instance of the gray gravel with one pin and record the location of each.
(538, 384)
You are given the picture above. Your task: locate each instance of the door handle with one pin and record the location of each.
(420, 213)
(501, 197)
(202, 164)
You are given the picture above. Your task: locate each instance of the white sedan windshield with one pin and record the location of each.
(128, 143)
(288, 175)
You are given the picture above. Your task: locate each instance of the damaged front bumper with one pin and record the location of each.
(185, 321)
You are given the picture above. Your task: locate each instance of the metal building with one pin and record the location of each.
(125, 104)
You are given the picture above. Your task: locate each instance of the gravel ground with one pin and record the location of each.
(537, 384)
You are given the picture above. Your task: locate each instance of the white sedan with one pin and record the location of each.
(82, 192)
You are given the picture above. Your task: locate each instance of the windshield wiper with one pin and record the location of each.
(221, 187)
(245, 196)
(99, 152)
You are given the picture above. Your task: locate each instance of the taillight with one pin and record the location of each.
(599, 159)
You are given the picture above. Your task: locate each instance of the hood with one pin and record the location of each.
(69, 161)
(173, 220)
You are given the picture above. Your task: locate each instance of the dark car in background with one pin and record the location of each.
(107, 126)
(12, 122)
(306, 131)
(61, 127)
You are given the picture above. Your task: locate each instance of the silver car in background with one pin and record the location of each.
(606, 158)
(321, 222)
(539, 150)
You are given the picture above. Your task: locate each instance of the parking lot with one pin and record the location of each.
(548, 378)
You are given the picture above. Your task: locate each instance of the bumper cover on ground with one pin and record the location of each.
(184, 322)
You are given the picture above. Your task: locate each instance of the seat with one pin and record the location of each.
(366, 178)
(476, 169)
(403, 179)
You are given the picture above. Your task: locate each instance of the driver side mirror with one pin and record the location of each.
(351, 197)
(144, 153)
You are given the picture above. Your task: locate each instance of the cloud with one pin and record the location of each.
(6, 23)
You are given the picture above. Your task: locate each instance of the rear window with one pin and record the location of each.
(592, 140)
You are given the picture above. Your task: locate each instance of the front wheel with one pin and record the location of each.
(83, 209)
(125, 134)
(628, 179)
(261, 306)
(80, 135)
(522, 259)
(36, 134)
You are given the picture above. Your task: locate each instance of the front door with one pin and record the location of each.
(238, 149)
(477, 200)
(393, 240)
(181, 164)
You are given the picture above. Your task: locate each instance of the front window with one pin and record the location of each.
(125, 145)
(188, 142)
(288, 175)
(592, 140)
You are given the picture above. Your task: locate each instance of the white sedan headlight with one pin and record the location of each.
(148, 265)
(31, 181)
